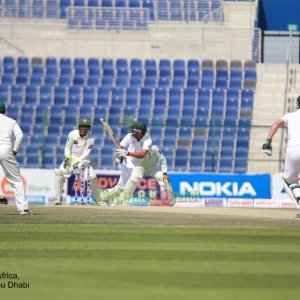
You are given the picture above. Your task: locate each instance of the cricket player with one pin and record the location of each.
(155, 165)
(133, 148)
(292, 158)
(9, 131)
(77, 155)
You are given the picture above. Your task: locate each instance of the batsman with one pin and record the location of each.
(77, 155)
(133, 152)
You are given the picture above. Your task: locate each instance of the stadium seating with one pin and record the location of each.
(117, 14)
(204, 123)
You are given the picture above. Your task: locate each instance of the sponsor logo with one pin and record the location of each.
(36, 199)
(214, 202)
(240, 202)
(75, 142)
(6, 186)
(207, 188)
(266, 203)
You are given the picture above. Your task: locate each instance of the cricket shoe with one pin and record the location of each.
(57, 203)
(298, 214)
(25, 212)
(293, 190)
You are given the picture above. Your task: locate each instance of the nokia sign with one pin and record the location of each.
(221, 185)
(228, 189)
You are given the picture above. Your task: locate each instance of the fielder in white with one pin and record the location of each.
(77, 155)
(292, 156)
(9, 131)
(133, 148)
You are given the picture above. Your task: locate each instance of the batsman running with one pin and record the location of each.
(292, 158)
(77, 155)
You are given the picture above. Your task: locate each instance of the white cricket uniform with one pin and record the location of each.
(154, 162)
(131, 144)
(292, 156)
(11, 137)
(79, 148)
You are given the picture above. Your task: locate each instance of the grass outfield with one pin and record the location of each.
(148, 253)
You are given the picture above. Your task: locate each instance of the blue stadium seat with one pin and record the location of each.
(203, 9)
(38, 9)
(7, 79)
(176, 10)
(131, 97)
(120, 3)
(89, 96)
(136, 72)
(93, 65)
(162, 10)
(17, 94)
(165, 68)
(10, 8)
(150, 6)
(27, 115)
(189, 11)
(52, 9)
(23, 61)
(4, 93)
(64, 4)
(75, 94)
(150, 66)
(31, 94)
(204, 97)
(60, 95)
(46, 95)
(71, 114)
(14, 111)
(23, 9)
(181, 159)
(144, 113)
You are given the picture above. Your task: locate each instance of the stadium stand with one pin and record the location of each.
(185, 110)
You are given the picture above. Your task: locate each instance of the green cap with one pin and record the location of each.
(84, 122)
(2, 107)
(139, 125)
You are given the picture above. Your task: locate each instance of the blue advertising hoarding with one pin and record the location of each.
(222, 185)
(198, 185)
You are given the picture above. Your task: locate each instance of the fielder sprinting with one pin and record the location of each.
(133, 148)
(292, 159)
(77, 155)
(10, 130)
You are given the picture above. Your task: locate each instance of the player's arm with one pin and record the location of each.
(18, 134)
(68, 146)
(87, 150)
(138, 154)
(267, 145)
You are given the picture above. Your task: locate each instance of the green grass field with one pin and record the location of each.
(94, 253)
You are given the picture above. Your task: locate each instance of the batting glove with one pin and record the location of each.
(267, 147)
(121, 152)
(67, 161)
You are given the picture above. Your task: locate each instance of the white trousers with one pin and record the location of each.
(292, 164)
(11, 171)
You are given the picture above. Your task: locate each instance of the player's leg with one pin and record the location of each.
(291, 173)
(131, 184)
(112, 195)
(166, 191)
(92, 177)
(59, 182)
(12, 173)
